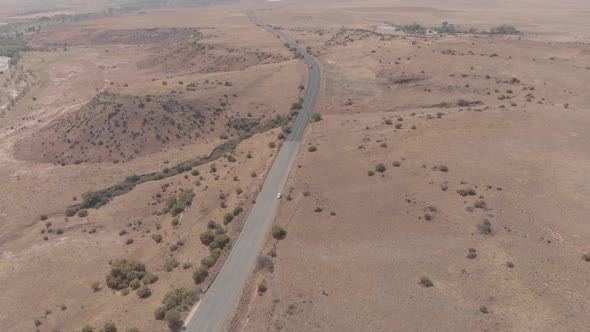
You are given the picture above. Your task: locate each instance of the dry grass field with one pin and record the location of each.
(444, 189)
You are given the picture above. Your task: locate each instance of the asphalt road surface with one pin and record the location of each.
(219, 304)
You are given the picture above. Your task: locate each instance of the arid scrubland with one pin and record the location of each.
(132, 148)
(445, 187)
(441, 184)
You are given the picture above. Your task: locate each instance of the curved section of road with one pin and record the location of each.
(220, 301)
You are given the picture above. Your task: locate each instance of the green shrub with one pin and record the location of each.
(443, 168)
(87, 328)
(135, 284)
(371, 173)
(149, 279)
(480, 204)
(297, 105)
(43, 217)
(398, 126)
(426, 282)
(262, 287)
(312, 148)
(463, 103)
(208, 261)
(216, 252)
(70, 212)
(170, 265)
(200, 274)
(484, 309)
(237, 210)
(110, 327)
(83, 213)
(220, 241)
(315, 117)
(176, 204)
(180, 299)
(485, 227)
(227, 218)
(157, 237)
(173, 319)
(466, 192)
(123, 272)
(380, 168)
(278, 232)
(160, 313)
(207, 237)
(144, 292)
(586, 257)
(95, 286)
(396, 164)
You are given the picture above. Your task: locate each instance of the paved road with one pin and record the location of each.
(220, 302)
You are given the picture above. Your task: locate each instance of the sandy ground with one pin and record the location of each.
(356, 264)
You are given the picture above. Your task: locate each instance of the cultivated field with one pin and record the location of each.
(446, 187)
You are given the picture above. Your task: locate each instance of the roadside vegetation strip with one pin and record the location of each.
(98, 198)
